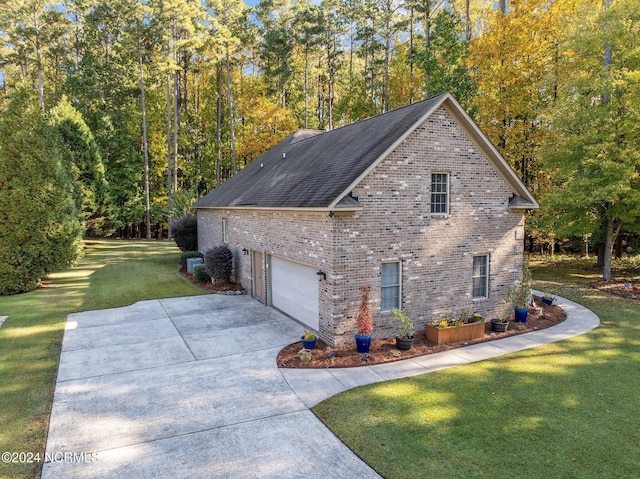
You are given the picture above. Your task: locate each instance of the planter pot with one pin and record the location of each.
(404, 344)
(548, 301)
(499, 325)
(521, 314)
(363, 343)
(308, 344)
(455, 334)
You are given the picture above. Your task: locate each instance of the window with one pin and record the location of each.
(390, 293)
(440, 193)
(481, 276)
(225, 231)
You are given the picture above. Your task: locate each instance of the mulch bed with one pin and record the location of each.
(618, 288)
(226, 288)
(385, 351)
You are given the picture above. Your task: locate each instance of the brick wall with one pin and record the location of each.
(436, 252)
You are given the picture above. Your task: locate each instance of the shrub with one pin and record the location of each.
(363, 315)
(218, 263)
(189, 254)
(40, 228)
(200, 275)
(185, 232)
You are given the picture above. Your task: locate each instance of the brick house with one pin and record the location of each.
(415, 203)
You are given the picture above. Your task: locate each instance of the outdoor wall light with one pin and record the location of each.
(321, 275)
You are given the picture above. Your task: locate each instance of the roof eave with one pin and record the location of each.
(289, 209)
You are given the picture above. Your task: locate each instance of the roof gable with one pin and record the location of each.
(317, 170)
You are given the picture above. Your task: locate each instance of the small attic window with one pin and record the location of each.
(440, 193)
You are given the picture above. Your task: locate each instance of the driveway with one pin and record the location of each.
(189, 388)
(185, 388)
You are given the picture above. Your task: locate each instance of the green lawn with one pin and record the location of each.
(565, 410)
(112, 274)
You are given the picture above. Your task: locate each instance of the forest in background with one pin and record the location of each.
(117, 115)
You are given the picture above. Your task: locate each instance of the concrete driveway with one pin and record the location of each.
(185, 388)
(189, 388)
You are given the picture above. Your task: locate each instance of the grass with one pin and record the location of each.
(564, 410)
(112, 274)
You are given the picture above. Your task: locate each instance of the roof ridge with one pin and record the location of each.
(364, 120)
(394, 110)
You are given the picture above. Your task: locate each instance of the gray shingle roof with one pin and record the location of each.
(311, 169)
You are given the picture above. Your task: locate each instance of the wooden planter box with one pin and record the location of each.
(455, 334)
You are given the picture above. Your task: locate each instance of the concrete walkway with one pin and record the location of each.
(189, 388)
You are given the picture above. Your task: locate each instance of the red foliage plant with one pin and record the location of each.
(363, 315)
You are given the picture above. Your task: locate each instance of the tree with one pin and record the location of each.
(41, 230)
(83, 154)
(445, 62)
(594, 147)
(514, 67)
(276, 47)
(32, 26)
(309, 28)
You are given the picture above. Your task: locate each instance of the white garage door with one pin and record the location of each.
(294, 290)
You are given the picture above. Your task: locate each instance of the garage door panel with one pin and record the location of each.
(294, 290)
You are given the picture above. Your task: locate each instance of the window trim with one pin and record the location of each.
(225, 230)
(447, 193)
(398, 264)
(487, 276)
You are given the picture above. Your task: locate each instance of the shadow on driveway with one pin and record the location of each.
(189, 388)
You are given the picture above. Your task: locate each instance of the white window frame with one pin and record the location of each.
(398, 285)
(435, 205)
(225, 230)
(485, 276)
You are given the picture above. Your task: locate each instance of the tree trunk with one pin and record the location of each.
(427, 39)
(231, 120)
(145, 145)
(219, 125)
(38, 59)
(306, 86)
(411, 55)
(387, 66)
(169, 149)
(467, 12)
(610, 238)
(176, 113)
(331, 80)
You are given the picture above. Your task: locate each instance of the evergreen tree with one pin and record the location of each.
(84, 155)
(445, 61)
(40, 227)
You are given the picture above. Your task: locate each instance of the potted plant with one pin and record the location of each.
(453, 329)
(499, 325)
(309, 339)
(364, 323)
(519, 295)
(406, 336)
(548, 299)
